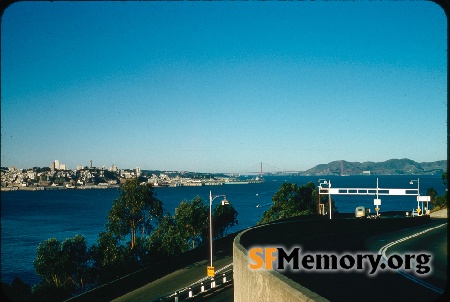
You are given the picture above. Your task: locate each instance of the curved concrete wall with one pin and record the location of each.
(263, 285)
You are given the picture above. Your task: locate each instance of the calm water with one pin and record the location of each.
(28, 218)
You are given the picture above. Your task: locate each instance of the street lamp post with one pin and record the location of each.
(418, 191)
(210, 269)
(328, 183)
(329, 197)
(321, 206)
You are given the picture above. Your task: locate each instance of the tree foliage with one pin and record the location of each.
(224, 216)
(432, 193)
(109, 258)
(134, 209)
(62, 266)
(291, 200)
(137, 233)
(189, 227)
(167, 239)
(439, 201)
(192, 218)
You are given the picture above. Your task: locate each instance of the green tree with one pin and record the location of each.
(62, 267)
(167, 239)
(224, 216)
(133, 210)
(109, 258)
(432, 193)
(291, 200)
(439, 201)
(192, 217)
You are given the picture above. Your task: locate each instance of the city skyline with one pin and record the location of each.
(220, 87)
(259, 168)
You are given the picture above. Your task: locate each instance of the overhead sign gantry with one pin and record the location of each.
(326, 189)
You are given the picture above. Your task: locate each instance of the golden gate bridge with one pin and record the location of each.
(266, 169)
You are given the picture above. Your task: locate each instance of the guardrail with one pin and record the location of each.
(222, 277)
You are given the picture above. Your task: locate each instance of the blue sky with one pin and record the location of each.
(220, 87)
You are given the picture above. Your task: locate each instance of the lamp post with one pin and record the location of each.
(321, 181)
(328, 183)
(329, 197)
(210, 269)
(418, 191)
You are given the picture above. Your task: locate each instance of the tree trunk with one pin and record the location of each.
(133, 234)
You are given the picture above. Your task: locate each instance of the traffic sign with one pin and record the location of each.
(423, 198)
(210, 271)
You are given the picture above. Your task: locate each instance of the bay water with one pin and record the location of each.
(31, 217)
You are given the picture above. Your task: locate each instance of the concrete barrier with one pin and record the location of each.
(264, 285)
(439, 214)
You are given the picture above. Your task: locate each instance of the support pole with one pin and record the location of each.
(329, 197)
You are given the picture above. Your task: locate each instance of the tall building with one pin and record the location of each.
(138, 171)
(57, 164)
(52, 166)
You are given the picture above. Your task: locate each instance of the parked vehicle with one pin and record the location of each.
(361, 212)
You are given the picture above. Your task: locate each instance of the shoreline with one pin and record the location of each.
(93, 187)
(55, 188)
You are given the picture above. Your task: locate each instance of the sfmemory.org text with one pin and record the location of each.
(279, 258)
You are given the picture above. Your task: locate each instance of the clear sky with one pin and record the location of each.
(220, 87)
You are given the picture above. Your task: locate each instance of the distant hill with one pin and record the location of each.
(389, 167)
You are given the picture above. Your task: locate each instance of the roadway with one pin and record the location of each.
(385, 285)
(340, 286)
(433, 241)
(174, 281)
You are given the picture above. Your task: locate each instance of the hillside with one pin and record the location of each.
(389, 167)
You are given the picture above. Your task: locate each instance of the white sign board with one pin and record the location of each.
(377, 202)
(334, 191)
(397, 192)
(423, 198)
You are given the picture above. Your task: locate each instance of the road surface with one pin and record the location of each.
(385, 285)
(340, 286)
(174, 281)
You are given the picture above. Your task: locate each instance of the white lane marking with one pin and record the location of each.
(383, 250)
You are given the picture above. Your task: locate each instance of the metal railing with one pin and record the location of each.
(223, 277)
